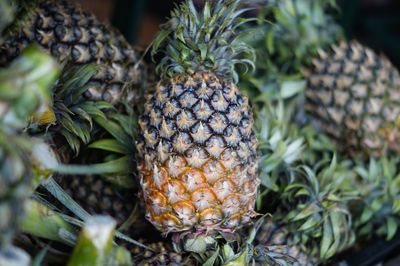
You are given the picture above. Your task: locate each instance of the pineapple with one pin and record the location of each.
(347, 84)
(99, 65)
(350, 91)
(278, 239)
(76, 36)
(197, 149)
(160, 253)
(353, 94)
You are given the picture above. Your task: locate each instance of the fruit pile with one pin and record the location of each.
(246, 141)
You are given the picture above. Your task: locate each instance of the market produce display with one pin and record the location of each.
(245, 134)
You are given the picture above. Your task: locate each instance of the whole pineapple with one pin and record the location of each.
(353, 94)
(74, 35)
(197, 150)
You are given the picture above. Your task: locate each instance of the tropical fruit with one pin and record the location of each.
(99, 67)
(197, 149)
(73, 35)
(353, 94)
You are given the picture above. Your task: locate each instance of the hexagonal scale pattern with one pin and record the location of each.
(353, 94)
(203, 168)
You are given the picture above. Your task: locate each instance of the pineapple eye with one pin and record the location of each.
(185, 119)
(218, 123)
(200, 132)
(218, 101)
(196, 157)
(232, 136)
(215, 146)
(181, 142)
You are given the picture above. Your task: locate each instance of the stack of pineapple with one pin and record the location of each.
(214, 148)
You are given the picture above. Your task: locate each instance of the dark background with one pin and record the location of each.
(373, 22)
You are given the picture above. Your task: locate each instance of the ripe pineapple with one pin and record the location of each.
(73, 35)
(197, 150)
(353, 94)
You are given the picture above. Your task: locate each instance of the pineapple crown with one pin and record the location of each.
(301, 27)
(193, 41)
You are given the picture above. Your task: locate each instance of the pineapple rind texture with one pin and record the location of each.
(77, 37)
(277, 237)
(198, 159)
(353, 95)
(162, 255)
(99, 197)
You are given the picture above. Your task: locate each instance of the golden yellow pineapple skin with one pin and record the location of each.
(197, 156)
(353, 94)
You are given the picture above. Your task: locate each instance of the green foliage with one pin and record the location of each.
(7, 11)
(94, 245)
(120, 148)
(286, 43)
(377, 212)
(234, 248)
(24, 90)
(279, 142)
(25, 87)
(318, 214)
(43, 222)
(203, 41)
(74, 114)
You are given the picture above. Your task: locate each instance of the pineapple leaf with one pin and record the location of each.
(39, 258)
(391, 228)
(212, 259)
(203, 41)
(114, 129)
(109, 145)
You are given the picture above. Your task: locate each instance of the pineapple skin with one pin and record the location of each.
(353, 94)
(75, 36)
(99, 197)
(197, 155)
(274, 235)
(163, 255)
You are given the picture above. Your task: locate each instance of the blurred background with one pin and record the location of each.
(373, 22)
